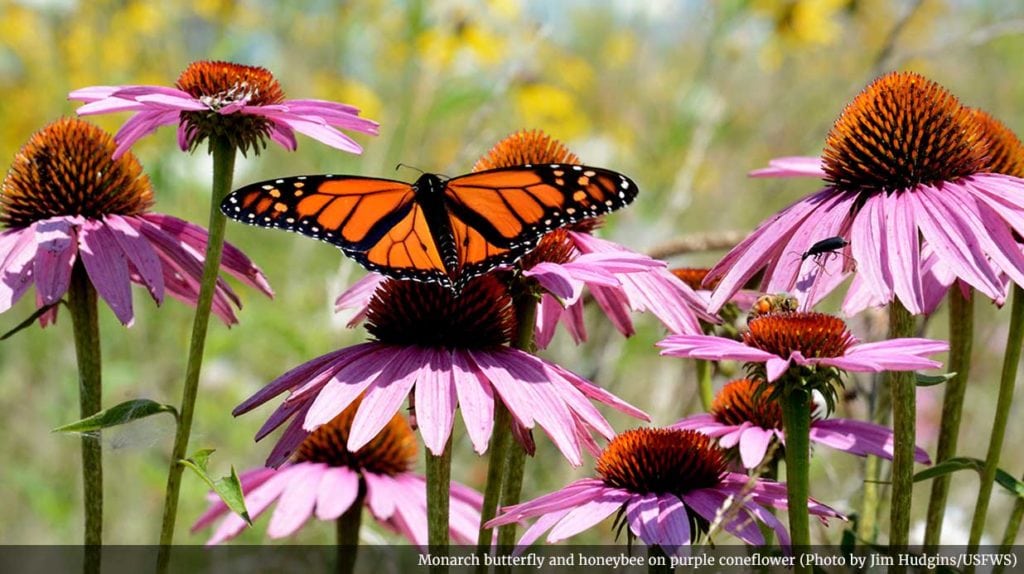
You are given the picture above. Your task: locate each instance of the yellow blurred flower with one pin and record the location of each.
(550, 108)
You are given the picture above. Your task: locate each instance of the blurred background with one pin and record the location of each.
(685, 97)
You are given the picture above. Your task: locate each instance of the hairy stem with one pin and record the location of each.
(439, 478)
(904, 412)
(961, 338)
(796, 422)
(223, 170)
(85, 324)
(1007, 381)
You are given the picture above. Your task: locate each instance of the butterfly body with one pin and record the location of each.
(437, 230)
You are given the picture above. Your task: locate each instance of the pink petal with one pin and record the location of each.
(358, 297)
(536, 529)
(140, 254)
(386, 394)
(141, 125)
(792, 166)
(549, 312)
(107, 268)
(754, 444)
(615, 306)
(527, 392)
(296, 376)
(948, 237)
(476, 400)
(642, 514)
(891, 355)
(297, 501)
(436, 400)
(56, 245)
(381, 494)
(569, 496)
(347, 384)
(586, 515)
(290, 440)
(747, 258)
(904, 252)
(17, 249)
(338, 489)
(673, 522)
(711, 348)
(314, 129)
(860, 438)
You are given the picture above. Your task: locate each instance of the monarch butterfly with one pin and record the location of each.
(436, 230)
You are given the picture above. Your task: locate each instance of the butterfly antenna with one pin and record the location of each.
(405, 165)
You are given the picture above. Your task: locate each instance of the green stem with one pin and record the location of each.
(525, 302)
(439, 471)
(501, 440)
(961, 337)
(1007, 380)
(867, 525)
(223, 169)
(904, 411)
(85, 324)
(348, 535)
(1013, 526)
(707, 392)
(796, 422)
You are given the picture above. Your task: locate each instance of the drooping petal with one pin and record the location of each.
(673, 521)
(336, 492)
(317, 130)
(754, 445)
(346, 385)
(476, 400)
(56, 245)
(386, 394)
(642, 515)
(107, 268)
(233, 261)
(859, 437)
(140, 254)
(381, 494)
(711, 348)
(569, 496)
(586, 515)
(296, 376)
(892, 355)
(358, 297)
(904, 251)
(436, 400)
(17, 249)
(297, 501)
(747, 258)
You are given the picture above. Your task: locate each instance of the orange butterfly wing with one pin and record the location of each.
(499, 215)
(377, 222)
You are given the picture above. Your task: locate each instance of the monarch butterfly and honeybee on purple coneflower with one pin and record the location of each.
(436, 230)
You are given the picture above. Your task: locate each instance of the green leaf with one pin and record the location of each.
(228, 488)
(932, 380)
(125, 412)
(31, 319)
(949, 466)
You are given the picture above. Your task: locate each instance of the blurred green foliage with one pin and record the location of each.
(684, 96)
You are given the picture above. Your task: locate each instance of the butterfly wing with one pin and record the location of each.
(377, 222)
(499, 215)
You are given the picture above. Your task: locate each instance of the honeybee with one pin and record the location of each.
(777, 303)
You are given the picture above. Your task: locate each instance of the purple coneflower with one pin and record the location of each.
(66, 202)
(742, 418)
(806, 339)
(325, 479)
(244, 103)
(444, 352)
(907, 168)
(668, 486)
